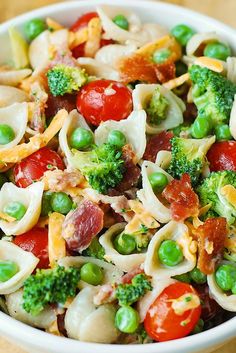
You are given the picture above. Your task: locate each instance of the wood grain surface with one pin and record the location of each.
(223, 10)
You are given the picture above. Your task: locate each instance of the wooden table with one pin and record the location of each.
(223, 10)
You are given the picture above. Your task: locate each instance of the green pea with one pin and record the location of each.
(161, 55)
(182, 33)
(15, 209)
(197, 276)
(121, 21)
(3, 179)
(158, 181)
(8, 269)
(170, 253)
(199, 327)
(91, 273)
(201, 127)
(33, 28)
(125, 244)
(7, 134)
(61, 202)
(219, 51)
(46, 203)
(116, 138)
(185, 277)
(226, 276)
(127, 319)
(222, 133)
(181, 68)
(81, 138)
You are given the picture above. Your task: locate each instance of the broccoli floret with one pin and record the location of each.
(49, 287)
(64, 79)
(103, 166)
(157, 107)
(210, 193)
(213, 94)
(127, 294)
(188, 156)
(95, 249)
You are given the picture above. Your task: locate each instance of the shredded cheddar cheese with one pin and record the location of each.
(56, 243)
(94, 36)
(176, 82)
(77, 38)
(6, 218)
(53, 25)
(184, 303)
(19, 152)
(209, 63)
(229, 192)
(141, 217)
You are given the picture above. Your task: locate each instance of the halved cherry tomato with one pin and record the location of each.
(222, 156)
(33, 167)
(162, 323)
(81, 23)
(103, 100)
(35, 241)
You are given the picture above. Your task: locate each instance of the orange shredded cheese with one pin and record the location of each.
(19, 152)
(230, 194)
(56, 243)
(212, 64)
(78, 37)
(53, 25)
(94, 36)
(176, 82)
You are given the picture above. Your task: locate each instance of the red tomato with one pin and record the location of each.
(162, 323)
(81, 23)
(33, 167)
(103, 100)
(222, 156)
(35, 241)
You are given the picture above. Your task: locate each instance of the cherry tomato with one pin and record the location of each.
(222, 156)
(35, 241)
(103, 100)
(33, 167)
(81, 23)
(162, 323)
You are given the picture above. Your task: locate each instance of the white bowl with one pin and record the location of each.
(35, 340)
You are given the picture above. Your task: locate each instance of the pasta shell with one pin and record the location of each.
(124, 263)
(73, 121)
(163, 159)
(137, 33)
(176, 231)
(10, 95)
(110, 54)
(16, 116)
(133, 128)
(14, 303)
(86, 322)
(201, 38)
(30, 197)
(231, 69)
(146, 301)
(13, 77)
(25, 260)
(95, 68)
(150, 200)
(227, 302)
(111, 273)
(142, 95)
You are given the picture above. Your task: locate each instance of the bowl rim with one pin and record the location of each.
(24, 332)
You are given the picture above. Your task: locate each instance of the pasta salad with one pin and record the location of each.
(117, 179)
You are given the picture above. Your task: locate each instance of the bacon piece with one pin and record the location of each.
(183, 200)
(127, 278)
(82, 225)
(60, 102)
(60, 180)
(137, 67)
(211, 237)
(157, 143)
(131, 174)
(165, 71)
(106, 294)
